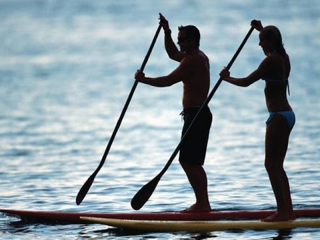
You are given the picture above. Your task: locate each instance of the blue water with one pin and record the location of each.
(66, 69)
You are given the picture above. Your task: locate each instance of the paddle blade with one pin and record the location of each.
(85, 188)
(143, 195)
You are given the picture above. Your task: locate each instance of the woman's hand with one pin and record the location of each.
(139, 76)
(224, 74)
(257, 24)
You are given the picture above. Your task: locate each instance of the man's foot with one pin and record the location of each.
(278, 217)
(197, 208)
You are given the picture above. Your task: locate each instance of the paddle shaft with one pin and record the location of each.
(146, 191)
(85, 188)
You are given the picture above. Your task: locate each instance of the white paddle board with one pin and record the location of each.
(201, 226)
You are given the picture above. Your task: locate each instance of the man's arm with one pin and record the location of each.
(180, 73)
(247, 81)
(164, 81)
(170, 47)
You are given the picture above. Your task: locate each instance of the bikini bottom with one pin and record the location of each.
(288, 115)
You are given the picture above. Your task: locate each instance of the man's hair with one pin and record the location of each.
(191, 32)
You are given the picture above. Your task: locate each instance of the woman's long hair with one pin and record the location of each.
(272, 33)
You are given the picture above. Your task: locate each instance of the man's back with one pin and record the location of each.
(196, 82)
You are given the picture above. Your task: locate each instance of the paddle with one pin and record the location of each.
(85, 188)
(146, 191)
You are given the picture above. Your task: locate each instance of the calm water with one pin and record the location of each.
(66, 69)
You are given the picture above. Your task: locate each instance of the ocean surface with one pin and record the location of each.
(66, 69)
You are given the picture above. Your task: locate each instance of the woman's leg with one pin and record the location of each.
(276, 144)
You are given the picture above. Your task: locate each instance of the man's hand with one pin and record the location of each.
(256, 24)
(139, 76)
(164, 23)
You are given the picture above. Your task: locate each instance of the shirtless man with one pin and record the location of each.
(193, 71)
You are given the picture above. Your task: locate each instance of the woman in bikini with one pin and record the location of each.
(275, 70)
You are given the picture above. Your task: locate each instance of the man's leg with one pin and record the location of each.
(198, 180)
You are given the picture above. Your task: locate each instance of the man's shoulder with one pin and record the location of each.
(197, 56)
(195, 62)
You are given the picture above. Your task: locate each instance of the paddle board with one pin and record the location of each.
(74, 217)
(201, 226)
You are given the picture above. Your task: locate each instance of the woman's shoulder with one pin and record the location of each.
(273, 60)
(273, 67)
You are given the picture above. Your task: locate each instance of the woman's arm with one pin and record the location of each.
(246, 81)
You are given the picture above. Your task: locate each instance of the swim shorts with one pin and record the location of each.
(194, 144)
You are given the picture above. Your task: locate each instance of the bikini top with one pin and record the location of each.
(284, 80)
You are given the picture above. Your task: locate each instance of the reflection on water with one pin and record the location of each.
(66, 70)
